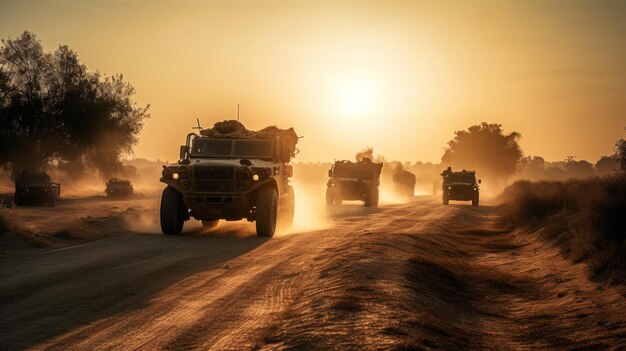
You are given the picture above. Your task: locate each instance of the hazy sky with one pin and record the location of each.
(398, 77)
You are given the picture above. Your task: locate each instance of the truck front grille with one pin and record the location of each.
(216, 179)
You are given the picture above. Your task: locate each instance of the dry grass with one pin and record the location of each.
(587, 218)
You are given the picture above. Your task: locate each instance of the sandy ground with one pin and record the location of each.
(406, 276)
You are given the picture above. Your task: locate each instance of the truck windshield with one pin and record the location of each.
(232, 148)
(462, 178)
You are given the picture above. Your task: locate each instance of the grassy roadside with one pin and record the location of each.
(585, 218)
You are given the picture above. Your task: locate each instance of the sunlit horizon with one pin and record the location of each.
(400, 78)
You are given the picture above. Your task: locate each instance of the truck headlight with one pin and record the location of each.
(175, 176)
(255, 177)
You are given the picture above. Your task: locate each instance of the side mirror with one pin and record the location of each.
(479, 181)
(184, 150)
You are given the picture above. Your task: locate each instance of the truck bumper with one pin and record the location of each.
(217, 206)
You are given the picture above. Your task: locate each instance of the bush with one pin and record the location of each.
(586, 217)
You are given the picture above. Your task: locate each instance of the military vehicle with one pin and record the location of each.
(353, 181)
(404, 183)
(231, 173)
(460, 186)
(117, 187)
(36, 189)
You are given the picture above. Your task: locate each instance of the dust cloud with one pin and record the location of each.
(310, 213)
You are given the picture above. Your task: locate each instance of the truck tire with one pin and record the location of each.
(445, 199)
(173, 211)
(210, 224)
(330, 196)
(18, 199)
(287, 210)
(266, 211)
(53, 199)
(375, 194)
(371, 197)
(475, 200)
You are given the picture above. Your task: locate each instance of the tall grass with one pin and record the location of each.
(587, 218)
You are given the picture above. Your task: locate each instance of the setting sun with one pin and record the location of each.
(356, 98)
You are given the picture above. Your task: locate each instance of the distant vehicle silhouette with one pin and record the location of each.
(353, 181)
(117, 187)
(404, 183)
(36, 189)
(460, 186)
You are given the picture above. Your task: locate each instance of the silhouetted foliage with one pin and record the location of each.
(53, 110)
(607, 165)
(620, 149)
(578, 169)
(486, 149)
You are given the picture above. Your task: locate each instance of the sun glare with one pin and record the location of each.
(356, 98)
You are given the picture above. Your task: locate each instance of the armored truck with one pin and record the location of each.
(117, 187)
(404, 183)
(231, 173)
(36, 189)
(460, 186)
(353, 181)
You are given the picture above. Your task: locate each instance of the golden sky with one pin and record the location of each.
(400, 77)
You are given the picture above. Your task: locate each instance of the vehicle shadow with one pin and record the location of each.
(47, 294)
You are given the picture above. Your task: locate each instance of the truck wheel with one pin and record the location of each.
(375, 194)
(266, 208)
(53, 200)
(173, 211)
(330, 197)
(445, 199)
(475, 200)
(371, 197)
(287, 210)
(210, 224)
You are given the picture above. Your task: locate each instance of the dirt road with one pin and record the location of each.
(406, 277)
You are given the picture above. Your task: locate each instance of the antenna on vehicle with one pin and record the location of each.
(237, 112)
(199, 127)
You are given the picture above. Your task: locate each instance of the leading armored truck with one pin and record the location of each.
(231, 173)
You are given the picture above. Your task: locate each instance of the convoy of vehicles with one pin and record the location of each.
(461, 186)
(354, 181)
(231, 173)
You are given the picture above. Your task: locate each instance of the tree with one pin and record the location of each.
(578, 169)
(486, 149)
(53, 110)
(607, 165)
